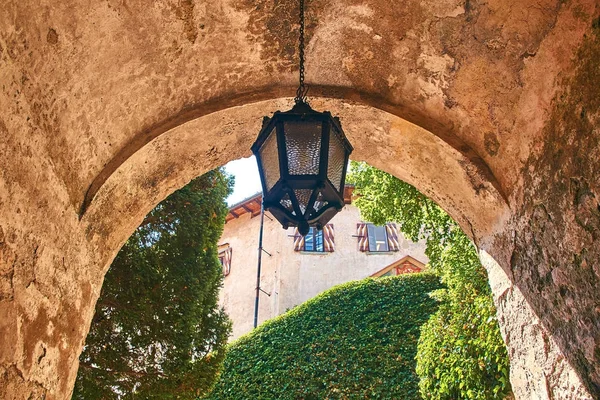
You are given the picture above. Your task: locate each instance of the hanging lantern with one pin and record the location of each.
(302, 155)
(302, 158)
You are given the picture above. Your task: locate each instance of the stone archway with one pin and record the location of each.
(108, 108)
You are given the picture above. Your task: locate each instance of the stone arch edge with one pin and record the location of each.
(443, 130)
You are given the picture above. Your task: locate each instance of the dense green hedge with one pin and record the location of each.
(354, 341)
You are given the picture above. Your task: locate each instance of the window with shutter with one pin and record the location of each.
(315, 240)
(377, 239)
(225, 259)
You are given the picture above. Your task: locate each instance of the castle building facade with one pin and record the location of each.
(295, 268)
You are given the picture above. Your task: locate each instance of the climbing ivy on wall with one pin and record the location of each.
(354, 341)
(157, 331)
(461, 354)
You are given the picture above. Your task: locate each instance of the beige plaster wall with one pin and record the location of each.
(294, 277)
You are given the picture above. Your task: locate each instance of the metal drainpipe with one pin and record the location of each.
(260, 250)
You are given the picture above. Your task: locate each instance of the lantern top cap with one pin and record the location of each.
(302, 107)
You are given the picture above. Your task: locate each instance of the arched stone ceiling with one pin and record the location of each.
(99, 78)
(173, 158)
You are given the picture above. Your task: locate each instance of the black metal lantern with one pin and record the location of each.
(302, 158)
(302, 155)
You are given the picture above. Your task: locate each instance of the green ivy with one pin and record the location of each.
(461, 354)
(354, 341)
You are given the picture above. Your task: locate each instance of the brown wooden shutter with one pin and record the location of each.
(392, 237)
(227, 253)
(328, 239)
(363, 236)
(298, 241)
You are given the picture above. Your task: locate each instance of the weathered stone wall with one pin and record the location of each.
(552, 247)
(490, 108)
(49, 278)
(538, 369)
(556, 242)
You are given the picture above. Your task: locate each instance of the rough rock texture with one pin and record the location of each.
(491, 108)
(558, 229)
(538, 369)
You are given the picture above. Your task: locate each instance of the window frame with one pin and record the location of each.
(314, 233)
(373, 243)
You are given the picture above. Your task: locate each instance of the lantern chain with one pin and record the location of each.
(302, 88)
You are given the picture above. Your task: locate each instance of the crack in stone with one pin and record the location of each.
(39, 360)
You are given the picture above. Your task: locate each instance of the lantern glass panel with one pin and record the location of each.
(337, 158)
(270, 160)
(303, 197)
(287, 203)
(319, 203)
(303, 142)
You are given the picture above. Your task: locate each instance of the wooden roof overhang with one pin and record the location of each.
(250, 205)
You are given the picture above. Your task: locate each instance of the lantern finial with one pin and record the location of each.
(303, 228)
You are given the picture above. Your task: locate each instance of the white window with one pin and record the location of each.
(378, 240)
(374, 239)
(313, 241)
